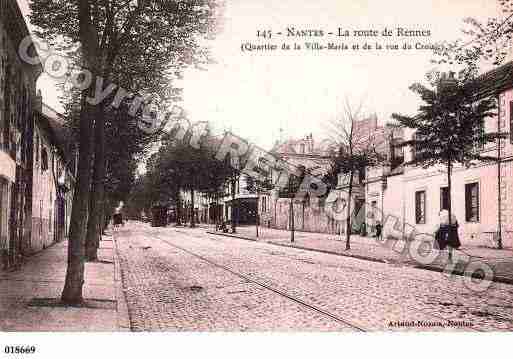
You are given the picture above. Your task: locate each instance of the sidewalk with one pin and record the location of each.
(29, 294)
(391, 251)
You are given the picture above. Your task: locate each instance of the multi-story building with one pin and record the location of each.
(53, 178)
(17, 99)
(28, 143)
(370, 182)
(481, 195)
(407, 199)
(275, 210)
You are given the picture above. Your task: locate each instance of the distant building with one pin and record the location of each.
(274, 211)
(407, 199)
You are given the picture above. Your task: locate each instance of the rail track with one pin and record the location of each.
(298, 300)
(279, 292)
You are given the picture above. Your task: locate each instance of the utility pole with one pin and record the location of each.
(499, 182)
(292, 219)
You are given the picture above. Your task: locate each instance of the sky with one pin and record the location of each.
(256, 94)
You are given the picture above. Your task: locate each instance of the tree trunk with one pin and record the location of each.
(449, 204)
(72, 292)
(449, 185)
(193, 222)
(234, 229)
(257, 216)
(291, 213)
(348, 218)
(98, 190)
(178, 210)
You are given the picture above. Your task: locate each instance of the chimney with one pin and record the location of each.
(447, 81)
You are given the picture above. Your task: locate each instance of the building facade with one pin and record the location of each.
(278, 211)
(17, 100)
(26, 142)
(53, 178)
(481, 195)
(406, 199)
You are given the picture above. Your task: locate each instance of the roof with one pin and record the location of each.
(61, 136)
(289, 147)
(495, 81)
(316, 166)
(18, 22)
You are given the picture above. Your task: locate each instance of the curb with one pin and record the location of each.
(301, 247)
(233, 236)
(497, 279)
(356, 256)
(123, 318)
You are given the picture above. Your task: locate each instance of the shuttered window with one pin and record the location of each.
(511, 121)
(420, 207)
(472, 202)
(444, 198)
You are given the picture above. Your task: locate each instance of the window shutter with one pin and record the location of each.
(468, 205)
(511, 121)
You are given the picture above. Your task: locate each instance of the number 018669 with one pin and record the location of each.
(19, 349)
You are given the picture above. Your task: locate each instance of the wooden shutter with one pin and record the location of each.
(511, 121)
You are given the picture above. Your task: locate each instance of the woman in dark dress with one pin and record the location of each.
(118, 219)
(447, 234)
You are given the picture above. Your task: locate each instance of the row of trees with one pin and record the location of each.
(138, 47)
(143, 46)
(178, 167)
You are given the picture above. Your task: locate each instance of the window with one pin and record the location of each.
(416, 147)
(444, 198)
(44, 160)
(396, 154)
(36, 148)
(472, 202)
(322, 202)
(479, 132)
(372, 213)
(302, 148)
(420, 207)
(307, 200)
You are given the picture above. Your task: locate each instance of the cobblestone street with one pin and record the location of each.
(183, 279)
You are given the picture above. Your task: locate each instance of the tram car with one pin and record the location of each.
(159, 216)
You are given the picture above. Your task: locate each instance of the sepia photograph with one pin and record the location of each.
(205, 172)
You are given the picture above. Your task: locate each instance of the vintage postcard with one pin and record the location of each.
(226, 166)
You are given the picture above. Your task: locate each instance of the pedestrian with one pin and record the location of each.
(378, 229)
(117, 219)
(446, 234)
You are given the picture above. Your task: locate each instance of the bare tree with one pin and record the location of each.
(355, 139)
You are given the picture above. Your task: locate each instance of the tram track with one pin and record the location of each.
(279, 292)
(494, 296)
(300, 301)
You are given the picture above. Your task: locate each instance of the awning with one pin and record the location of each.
(7, 167)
